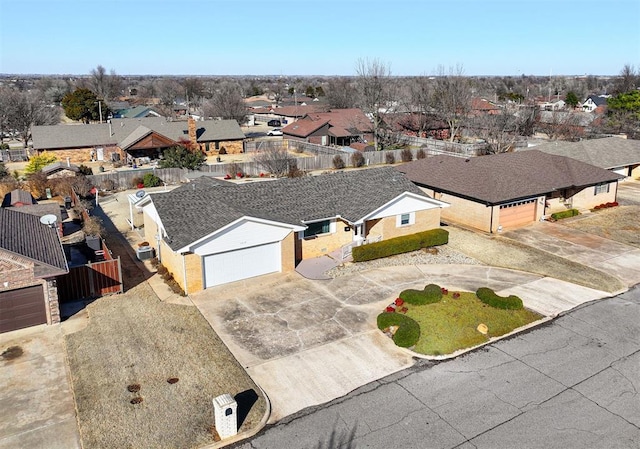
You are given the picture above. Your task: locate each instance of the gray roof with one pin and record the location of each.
(23, 234)
(18, 196)
(97, 134)
(59, 166)
(203, 206)
(598, 99)
(502, 178)
(608, 152)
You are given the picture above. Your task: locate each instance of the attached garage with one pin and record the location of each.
(22, 308)
(517, 214)
(241, 264)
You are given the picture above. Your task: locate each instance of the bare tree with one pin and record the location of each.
(276, 160)
(8, 102)
(421, 95)
(194, 90)
(168, 90)
(31, 109)
(452, 98)
(375, 87)
(226, 103)
(341, 93)
(560, 125)
(628, 80)
(500, 131)
(106, 86)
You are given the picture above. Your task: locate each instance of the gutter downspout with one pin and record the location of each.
(184, 274)
(491, 222)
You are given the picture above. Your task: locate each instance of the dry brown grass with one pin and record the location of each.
(621, 224)
(144, 374)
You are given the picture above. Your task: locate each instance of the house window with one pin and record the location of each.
(317, 228)
(217, 145)
(601, 188)
(405, 219)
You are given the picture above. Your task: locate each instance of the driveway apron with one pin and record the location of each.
(36, 407)
(612, 257)
(306, 342)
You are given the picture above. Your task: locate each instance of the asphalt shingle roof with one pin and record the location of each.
(501, 178)
(197, 209)
(23, 234)
(608, 152)
(78, 136)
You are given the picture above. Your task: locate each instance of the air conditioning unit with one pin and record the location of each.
(145, 253)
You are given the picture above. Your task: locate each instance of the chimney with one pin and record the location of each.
(192, 132)
(110, 130)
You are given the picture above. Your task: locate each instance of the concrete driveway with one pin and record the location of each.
(307, 342)
(612, 257)
(36, 408)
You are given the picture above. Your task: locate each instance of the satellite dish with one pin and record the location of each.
(48, 219)
(140, 193)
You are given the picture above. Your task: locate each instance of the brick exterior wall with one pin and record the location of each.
(323, 244)
(17, 272)
(387, 228)
(231, 146)
(82, 155)
(288, 253)
(582, 199)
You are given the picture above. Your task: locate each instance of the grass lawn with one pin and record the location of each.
(174, 357)
(451, 324)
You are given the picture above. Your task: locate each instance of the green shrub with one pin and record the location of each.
(489, 297)
(432, 293)
(399, 245)
(408, 332)
(565, 214)
(151, 180)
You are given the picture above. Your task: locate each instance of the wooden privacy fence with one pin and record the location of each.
(91, 280)
(122, 180)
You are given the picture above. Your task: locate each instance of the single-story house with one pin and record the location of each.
(619, 155)
(339, 127)
(286, 114)
(596, 103)
(210, 232)
(31, 257)
(139, 111)
(122, 139)
(17, 198)
(510, 190)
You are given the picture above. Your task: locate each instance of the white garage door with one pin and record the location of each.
(241, 264)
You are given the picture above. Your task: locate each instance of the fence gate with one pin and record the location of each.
(91, 280)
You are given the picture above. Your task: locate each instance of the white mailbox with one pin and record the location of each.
(225, 410)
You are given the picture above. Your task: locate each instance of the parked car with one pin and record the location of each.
(274, 123)
(275, 132)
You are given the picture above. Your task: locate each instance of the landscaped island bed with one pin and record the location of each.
(450, 321)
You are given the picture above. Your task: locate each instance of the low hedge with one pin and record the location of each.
(489, 297)
(432, 293)
(565, 214)
(399, 245)
(408, 332)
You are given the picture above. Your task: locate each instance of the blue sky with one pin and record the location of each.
(309, 37)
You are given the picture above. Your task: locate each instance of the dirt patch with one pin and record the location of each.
(621, 224)
(11, 353)
(125, 368)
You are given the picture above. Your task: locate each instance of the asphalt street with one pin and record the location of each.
(570, 384)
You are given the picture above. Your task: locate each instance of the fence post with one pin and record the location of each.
(92, 289)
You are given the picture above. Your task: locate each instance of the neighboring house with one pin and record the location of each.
(17, 198)
(593, 102)
(134, 138)
(136, 112)
(552, 105)
(209, 232)
(60, 170)
(480, 107)
(510, 190)
(286, 114)
(417, 124)
(619, 155)
(339, 127)
(31, 257)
